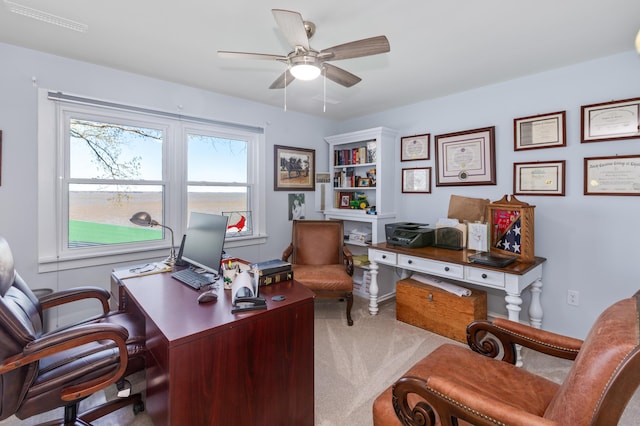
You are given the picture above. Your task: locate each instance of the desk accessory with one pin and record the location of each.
(144, 219)
(244, 292)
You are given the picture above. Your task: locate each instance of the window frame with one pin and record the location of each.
(53, 179)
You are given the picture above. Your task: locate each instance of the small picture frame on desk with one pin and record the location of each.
(478, 234)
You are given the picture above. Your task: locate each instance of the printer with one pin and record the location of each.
(409, 234)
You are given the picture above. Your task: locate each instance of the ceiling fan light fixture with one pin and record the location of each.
(305, 72)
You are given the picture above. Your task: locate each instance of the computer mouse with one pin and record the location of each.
(208, 296)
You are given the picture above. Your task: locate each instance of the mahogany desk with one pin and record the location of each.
(208, 366)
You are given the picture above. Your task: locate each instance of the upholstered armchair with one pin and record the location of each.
(43, 371)
(483, 386)
(320, 260)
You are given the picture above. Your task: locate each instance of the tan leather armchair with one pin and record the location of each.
(43, 371)
(475, 387)
(320, 260)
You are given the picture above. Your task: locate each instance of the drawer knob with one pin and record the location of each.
(384, 256)
(484, 276)
(410, 261)
(430, 297)
(446, 268)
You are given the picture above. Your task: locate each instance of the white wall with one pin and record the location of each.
(18, 121)
(591, 242)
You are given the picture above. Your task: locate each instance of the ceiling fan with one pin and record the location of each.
(305, 63)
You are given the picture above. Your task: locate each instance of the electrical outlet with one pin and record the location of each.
(573, 297)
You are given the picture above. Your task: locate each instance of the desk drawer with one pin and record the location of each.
(485, 277)
(382, 257)
(441, 269)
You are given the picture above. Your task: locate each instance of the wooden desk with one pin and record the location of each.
(208, 366)
(512, 279)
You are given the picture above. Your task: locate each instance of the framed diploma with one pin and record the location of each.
(415, 147)
(466, 158)
(417, 180)
(619, 175)
(540, 131)
(611, 121)
(538, 178)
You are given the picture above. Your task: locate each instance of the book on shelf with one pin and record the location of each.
(361, 260)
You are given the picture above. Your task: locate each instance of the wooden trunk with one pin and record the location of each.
(438, 310)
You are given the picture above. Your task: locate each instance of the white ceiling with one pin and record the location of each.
(437, 47)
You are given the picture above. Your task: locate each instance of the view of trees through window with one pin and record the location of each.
(116, 170)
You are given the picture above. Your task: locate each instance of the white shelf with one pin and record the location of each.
(384, 142)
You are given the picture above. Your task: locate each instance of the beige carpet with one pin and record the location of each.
(353, 365)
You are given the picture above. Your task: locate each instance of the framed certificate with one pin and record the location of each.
(415, 147)
(466, 158)
(416, 180)
(611, 121)
(619, 175)
(540, 131)
(539, 178)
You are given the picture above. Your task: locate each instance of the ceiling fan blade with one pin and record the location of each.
(292, 27)
(245, 55)
(340, 76)
(279, 83)
(356, 49)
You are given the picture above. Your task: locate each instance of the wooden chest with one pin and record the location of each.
(438, 310)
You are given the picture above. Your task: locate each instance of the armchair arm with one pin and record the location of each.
(71, 338)
(347, 259)
(287, 253)
(487, 338)
(451, 400)
(74, 294)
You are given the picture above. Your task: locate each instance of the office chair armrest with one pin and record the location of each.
(348, 259)
(488, 338)
(64, 340)
(74, 294)
(287, 253)
(433, 396)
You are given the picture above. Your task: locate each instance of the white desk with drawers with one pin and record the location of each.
(453, 264)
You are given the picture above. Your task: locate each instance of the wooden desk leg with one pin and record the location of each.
(535, 308)
(373, 288)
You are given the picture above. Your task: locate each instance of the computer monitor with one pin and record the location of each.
(204, 241)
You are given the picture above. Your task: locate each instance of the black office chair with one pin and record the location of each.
(43, 371)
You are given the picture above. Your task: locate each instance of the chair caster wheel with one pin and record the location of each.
(138, 408)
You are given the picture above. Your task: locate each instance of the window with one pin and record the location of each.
(106, 163)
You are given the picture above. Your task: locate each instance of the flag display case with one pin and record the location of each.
(511, 228)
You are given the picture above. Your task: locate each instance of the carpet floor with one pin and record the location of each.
(352, 366)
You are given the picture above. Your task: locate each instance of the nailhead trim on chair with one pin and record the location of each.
(464, 407)
(537, 341)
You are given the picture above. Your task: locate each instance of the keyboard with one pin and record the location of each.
(191, 278)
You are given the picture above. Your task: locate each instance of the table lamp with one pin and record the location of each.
(144, 219)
